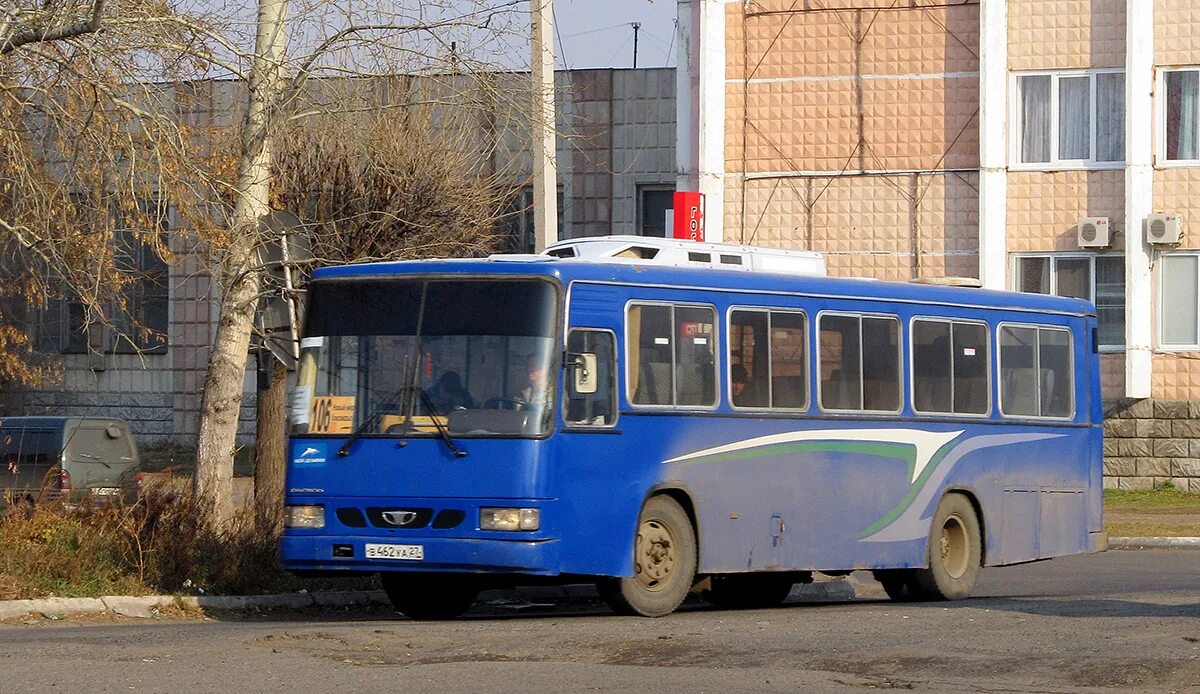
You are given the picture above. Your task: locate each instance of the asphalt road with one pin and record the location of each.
(1120, 621)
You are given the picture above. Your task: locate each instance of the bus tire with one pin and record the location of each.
(748, 591)
(955, 552)
(430, 596)
(664, 563)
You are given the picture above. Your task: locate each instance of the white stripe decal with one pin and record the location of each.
(926, 443)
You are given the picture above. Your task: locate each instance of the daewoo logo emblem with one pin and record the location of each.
(399, 517)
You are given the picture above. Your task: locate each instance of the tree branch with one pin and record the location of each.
(66, 31)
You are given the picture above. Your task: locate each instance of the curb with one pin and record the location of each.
(1153, 542)
(152, 605)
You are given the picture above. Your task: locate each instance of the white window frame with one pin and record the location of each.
(1160, 346)
(1014, 278)
(1055, 164)
(1160, 147)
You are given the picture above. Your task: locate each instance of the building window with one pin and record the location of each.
(1179, 301)
(517, 222)
(654, 201)
(138, 316)
(1096, 278)
(1071, 119)
(1181, 116)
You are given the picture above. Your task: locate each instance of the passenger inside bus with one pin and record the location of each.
(448, 393)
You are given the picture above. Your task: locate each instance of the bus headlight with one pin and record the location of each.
(304, 517)
(509, 519)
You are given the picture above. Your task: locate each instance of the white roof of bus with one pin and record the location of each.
(680, 253)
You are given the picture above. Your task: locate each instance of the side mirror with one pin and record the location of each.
(585, 373)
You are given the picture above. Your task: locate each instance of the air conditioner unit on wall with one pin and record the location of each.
(1164, 229)
(1093, 232)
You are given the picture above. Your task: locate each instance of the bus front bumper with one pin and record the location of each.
(468, 554)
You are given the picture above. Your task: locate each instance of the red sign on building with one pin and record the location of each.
(689, 215)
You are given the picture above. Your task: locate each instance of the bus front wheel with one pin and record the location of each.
(955, 552)
(430, 596)
(664, 563)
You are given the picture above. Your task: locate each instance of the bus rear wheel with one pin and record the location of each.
(430, 596)
(664, 563)
(748, 591)
(955, 552)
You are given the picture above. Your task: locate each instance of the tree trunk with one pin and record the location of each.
(220, 405)
(270, 448)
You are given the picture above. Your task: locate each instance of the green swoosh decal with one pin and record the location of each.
(913, 490)
(898, 451)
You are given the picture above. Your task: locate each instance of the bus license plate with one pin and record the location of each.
(409, 552)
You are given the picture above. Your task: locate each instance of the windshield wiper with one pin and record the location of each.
(442, 428)
(435, 415)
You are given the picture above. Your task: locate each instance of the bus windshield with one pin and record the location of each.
(480, 350)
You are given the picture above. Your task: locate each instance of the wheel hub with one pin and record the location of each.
(954, 547)
(655, 554)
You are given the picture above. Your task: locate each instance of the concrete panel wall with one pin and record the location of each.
(1044, 207)
(1045, 34)
(1176, 26)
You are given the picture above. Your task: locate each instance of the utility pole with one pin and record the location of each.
(636, 26)
(545, 170)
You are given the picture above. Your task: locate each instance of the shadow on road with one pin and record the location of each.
(1057, 607)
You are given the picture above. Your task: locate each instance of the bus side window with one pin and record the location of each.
(598, 408)
(1036, 372)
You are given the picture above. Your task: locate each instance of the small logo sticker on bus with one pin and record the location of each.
(311, 455)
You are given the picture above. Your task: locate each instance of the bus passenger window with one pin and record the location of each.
(1054, 367)
(748, 359)
(672, 352)
(841, 363)
(651, 381)
(860, 363)
(695, 356)
(931, 355)
(949, 367)
(971, 368)
(598, 408)
(789, 362)
(881, 364)
(1035, 372)
(1018, 369)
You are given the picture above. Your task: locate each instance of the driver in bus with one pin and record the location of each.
(535, 394)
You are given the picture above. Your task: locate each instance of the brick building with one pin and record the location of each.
(923, 138)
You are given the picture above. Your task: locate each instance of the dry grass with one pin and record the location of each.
(157, 545)
(1160, 512)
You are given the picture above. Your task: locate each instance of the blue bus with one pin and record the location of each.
(658, 428)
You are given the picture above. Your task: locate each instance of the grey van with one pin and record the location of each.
(68, 458)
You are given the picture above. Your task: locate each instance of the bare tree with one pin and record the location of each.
(384, 41)
(91, 128)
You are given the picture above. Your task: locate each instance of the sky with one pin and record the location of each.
(597, 33)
